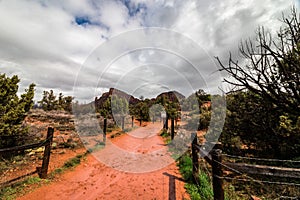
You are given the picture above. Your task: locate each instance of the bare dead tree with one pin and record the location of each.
(270, 65)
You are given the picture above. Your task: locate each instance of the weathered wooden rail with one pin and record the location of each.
(41, 170)
(215, 159)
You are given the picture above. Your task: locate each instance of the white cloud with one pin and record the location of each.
(42, 42)
(113, 14)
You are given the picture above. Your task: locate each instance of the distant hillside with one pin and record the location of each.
(113, 91)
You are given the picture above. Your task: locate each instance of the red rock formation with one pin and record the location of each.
(112, 91)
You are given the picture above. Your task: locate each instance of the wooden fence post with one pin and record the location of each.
(123, 122)
(172, 129)
(47, 152)
(167, 120)
(141, 115)
(195, 158)
(217, 174)
(104, 130)
(132, 119)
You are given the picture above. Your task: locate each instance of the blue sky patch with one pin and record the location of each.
(82, 20)
(85, 21)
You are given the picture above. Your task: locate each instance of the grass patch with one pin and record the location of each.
(197, 192)
(71, 163)
(74, 161)
(204, 190)
(174, 154)
(164, 133)
(11, 192)
(166, 136)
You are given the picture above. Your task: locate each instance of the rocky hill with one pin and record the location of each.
(173, 96)
(112, 91)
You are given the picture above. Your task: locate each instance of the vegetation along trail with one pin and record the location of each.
(138, 166)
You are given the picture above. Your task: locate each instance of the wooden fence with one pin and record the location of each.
(166, 126)
(215, 159)
(41, 170)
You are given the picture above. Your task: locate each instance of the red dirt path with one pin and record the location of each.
(138, 166)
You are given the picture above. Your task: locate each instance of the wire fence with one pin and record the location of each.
(41, 170)
(261, 159)
(280, 182)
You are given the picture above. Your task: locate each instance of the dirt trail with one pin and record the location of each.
(137, 166)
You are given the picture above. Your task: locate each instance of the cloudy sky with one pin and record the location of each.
(144, 47)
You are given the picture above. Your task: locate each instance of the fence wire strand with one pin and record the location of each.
(246, 178)
(251, 178)
(260, 159)
(230, 168)
(257, 181)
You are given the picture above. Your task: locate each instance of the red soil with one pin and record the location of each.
(137, 166)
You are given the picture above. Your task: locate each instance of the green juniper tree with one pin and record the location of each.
(50, 102)
(13, 111)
